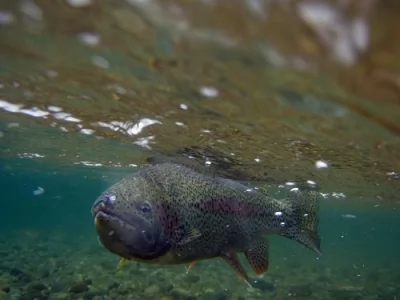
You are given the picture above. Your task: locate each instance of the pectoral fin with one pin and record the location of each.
(190, 236)
(121, 263)
(257, 255)
(232, 259)
(191, 265)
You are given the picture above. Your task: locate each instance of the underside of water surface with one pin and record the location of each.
(280, 94)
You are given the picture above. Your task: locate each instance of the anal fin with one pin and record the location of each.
(232, 259)
(258, 255)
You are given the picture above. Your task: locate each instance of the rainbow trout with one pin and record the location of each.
(171, 214)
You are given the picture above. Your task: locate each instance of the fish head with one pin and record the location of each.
(127, 223)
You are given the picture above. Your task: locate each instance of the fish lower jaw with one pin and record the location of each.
(104, 220)
(98, 208)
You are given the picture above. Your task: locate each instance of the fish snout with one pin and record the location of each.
(103, 204)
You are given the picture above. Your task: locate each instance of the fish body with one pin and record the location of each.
(172, 214)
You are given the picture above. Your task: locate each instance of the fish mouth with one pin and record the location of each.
(115, 232)
(101, 214)
(118, 236)
(99, 207)
(102, 217)
(126, 238)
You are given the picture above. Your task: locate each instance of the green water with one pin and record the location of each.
(48, 246)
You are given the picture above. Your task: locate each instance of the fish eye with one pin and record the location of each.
(145, 207)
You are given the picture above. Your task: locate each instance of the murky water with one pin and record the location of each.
(284, 93)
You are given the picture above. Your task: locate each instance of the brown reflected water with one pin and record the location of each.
(263, 89)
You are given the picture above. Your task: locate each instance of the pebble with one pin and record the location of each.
(16, 272)
(21, 275)
(303, 290)
(192, 279)
(152, 290)
(32, 295)
(60, 296)
(36, 286)
(4, 296)
(113, 285)
(215, 296)
(78, 287)
(57, 288)
(45, 274)
(178, 293)
(263, 285)
(167, 287)
(89, 296)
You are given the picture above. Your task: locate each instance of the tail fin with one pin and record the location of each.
(304, 207)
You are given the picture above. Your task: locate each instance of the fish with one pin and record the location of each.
(171, 214)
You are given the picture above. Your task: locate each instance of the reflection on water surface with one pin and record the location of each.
(276, 85)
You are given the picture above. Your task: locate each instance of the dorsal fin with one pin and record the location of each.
(187, 162)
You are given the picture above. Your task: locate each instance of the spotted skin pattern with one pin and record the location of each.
(196, 216)
(257, 256)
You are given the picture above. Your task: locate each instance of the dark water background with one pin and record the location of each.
(283, 102)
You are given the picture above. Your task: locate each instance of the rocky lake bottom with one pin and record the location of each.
(38, 266)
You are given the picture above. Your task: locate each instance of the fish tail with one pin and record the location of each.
(304, 208)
